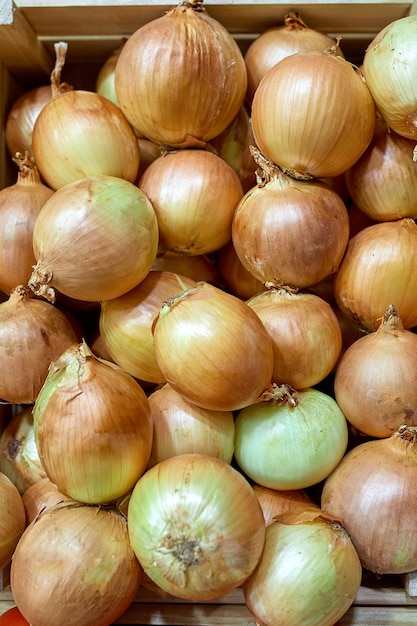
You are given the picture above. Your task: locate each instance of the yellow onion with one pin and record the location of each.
(80, 133)
(373, 492)
(149, 152)
(125, 323)
(194, 194)
(181, 78)
(105, 77)
(305, 333)
(309, 572)
(22, 117)
(200, 267)
(74, 566)
(292, 441)
(278, 42)
(94, 239)
(40, 497)
(383, 182)
(275, 502)
(19, 458)
(375, 381)
(290, 232)
(196, 526)
(213, 349)
(180, 427)
(389, 66)
(12, 519)
(378, 269)
(92, 427)
(295, 130)
(237, 279)
(20, 204)
(32, 334)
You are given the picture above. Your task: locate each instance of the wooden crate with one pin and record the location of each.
(28, 30)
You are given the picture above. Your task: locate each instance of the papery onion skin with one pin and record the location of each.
(32, 334)
(196, 526)
(180, 427)
(309, 572)
(375, 381)
(373, 491)
(181, 78)
(389, 67)
(92, 427)
(305, 333)
(290, 232)
(295, 131)
(194, 194)
(125, 323)
(12, 519)
(200, 267)
(22, 117)
(40, 497)
(275, 502)
(213, 349)
(94, 239)
(378, 269)
(238, 280)
(80, 134)
(74, 567)
(292, 444)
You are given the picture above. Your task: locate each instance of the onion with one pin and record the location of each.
(12, 519)
(378, 269)
(74, 567)
(32, 334)
(290, 232)
(309, 572)
(275, 502)
(293, 442)
(389, 66)
(149, 152)
(125, 323)
(237, 279)
(105, 77)
(196, 526)
(294, 130)
(184, 56)
(305, 333)
(22, 117)
(373, 492)
(213, 349)
(180, 427)
(194, 194)
(19, 458)
(20, 204)
(200, 268)
(94, 239)
(383, 182)
(375, 381)
(278, 42)
(92, 427)
(40, 497)
(81, 133)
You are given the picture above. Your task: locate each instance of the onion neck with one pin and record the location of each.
(404, 441)
(293, 21)
(280, 393)
(28, 172)
(391, 321)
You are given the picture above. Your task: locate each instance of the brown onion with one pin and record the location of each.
(305, 334)
(74, 565)
(373, 492)
(32, 334)
(237, 279)
(200, 267)
(126, 323)
(40, 497)
(275, 502)
(278, 42)
(181, 78)
(293, 128)
(378, 269)
(22, 117)
(213, 349)
(12, 519)
(180, 427)
(20, 204)
(290, 232)
(375, 381)
(194, 194)
(105, 77)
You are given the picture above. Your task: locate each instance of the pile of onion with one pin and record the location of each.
(293, 128)
(12, 519)
(188, 90)
(92, 427)
(196, 526)
(373, 492)
(74, 565)
(309, 572)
